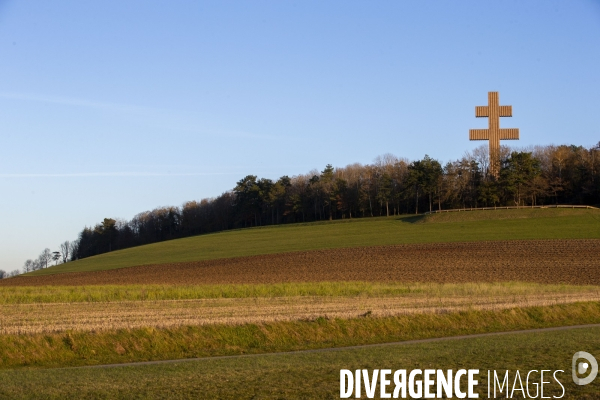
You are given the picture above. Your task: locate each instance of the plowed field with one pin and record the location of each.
(541, 261)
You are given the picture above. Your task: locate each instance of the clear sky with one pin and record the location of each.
(110, 108)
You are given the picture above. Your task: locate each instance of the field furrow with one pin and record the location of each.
(541, 261)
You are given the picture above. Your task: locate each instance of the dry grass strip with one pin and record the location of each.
(59, 317)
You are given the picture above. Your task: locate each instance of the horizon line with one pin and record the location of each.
(111, 174)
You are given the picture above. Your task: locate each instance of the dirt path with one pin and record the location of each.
(542, 261)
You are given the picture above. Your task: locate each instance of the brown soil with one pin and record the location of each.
(541, 261)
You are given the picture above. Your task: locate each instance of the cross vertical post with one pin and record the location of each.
(493, 111)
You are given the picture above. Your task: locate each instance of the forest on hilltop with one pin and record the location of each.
(541, 175)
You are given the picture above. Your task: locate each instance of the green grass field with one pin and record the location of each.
(31, 364)
(312, 375)
(448, 227)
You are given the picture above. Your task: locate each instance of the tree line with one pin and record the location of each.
(45, 259)
(540, 175)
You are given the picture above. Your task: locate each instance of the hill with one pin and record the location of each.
(540, 261)
(447, 227)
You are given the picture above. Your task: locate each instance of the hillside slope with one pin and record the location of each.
(558, 261)
(455, 227)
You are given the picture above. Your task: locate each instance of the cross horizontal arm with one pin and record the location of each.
(482, 111)
(509, 134)
(505, 111)
(479, 134)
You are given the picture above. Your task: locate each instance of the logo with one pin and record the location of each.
(583, 367)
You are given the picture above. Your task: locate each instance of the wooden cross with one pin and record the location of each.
(494, 134)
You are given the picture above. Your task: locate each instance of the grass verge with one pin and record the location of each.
(109, 293)
(128, 345)
(313, 375)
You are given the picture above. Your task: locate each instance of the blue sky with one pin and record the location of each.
(111, 108)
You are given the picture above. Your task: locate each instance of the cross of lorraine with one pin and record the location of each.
(493, 111)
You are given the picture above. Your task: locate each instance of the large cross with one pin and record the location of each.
(494, 134)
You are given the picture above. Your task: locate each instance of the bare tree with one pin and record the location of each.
(45, 257)
(481, 155)
(3, 274)
(65, 251)
(386, 162)
(28, 266)
(37, 264)
(40, 262)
